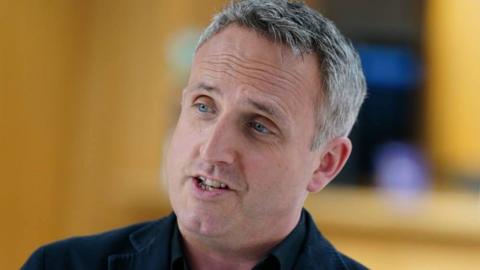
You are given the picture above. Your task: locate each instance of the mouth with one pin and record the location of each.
(209, 184)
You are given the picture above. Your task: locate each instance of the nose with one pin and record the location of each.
(220, 144)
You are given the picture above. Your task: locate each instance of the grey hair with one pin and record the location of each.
(306, 31)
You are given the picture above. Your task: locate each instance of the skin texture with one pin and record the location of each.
(247, 120)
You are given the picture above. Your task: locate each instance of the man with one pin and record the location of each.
(273, 92)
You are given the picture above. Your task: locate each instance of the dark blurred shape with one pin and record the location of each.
(387, 36)
(391, 110)
(389, 68)
(377, 21)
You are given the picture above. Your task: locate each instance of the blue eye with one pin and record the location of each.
(201, 107)
(259, 128)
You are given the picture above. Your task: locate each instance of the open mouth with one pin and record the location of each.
(210, 184)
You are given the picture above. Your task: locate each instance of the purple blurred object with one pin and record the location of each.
(401, 172)
(400, 166)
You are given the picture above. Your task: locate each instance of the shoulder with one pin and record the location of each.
(92, 251)
(350, 263)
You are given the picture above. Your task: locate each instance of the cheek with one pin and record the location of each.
(279, 171)
(274, 188)
(186, 133)
(180, 149)
(289, 167)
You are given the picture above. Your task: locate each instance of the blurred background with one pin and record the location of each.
(90, 89)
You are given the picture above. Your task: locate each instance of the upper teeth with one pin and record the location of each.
(212, 183)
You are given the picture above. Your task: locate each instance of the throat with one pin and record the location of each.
(205, 254)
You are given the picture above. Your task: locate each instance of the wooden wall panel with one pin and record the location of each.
(86, 98)
(453, 83)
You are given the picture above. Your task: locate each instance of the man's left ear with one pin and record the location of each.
(332, 158)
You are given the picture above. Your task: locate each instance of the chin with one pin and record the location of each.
(201, 222)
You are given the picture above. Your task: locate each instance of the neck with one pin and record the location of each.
(243, 251)
(201, 259)
(205, 254)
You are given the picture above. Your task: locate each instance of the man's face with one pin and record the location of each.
(240, 162)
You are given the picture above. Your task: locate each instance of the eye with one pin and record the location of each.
(204, 105)
(259, 127)
(201, 107)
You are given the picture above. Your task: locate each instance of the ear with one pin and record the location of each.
(332, 158)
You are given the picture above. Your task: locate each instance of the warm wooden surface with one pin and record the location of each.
(436, 230)
(87, 94)
(452, 97)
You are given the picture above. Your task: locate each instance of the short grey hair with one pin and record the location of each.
(306, 31)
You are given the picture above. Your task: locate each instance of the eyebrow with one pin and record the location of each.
(266, 108)
(206, 87)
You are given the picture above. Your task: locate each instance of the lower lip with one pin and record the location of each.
(205, 194)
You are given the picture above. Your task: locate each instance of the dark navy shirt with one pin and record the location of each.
(149, 246)
(283, 256)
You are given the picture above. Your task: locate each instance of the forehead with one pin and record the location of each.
(238, 58)
(235, 40)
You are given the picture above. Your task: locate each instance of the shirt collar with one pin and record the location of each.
(287, 251)
(177, 258)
